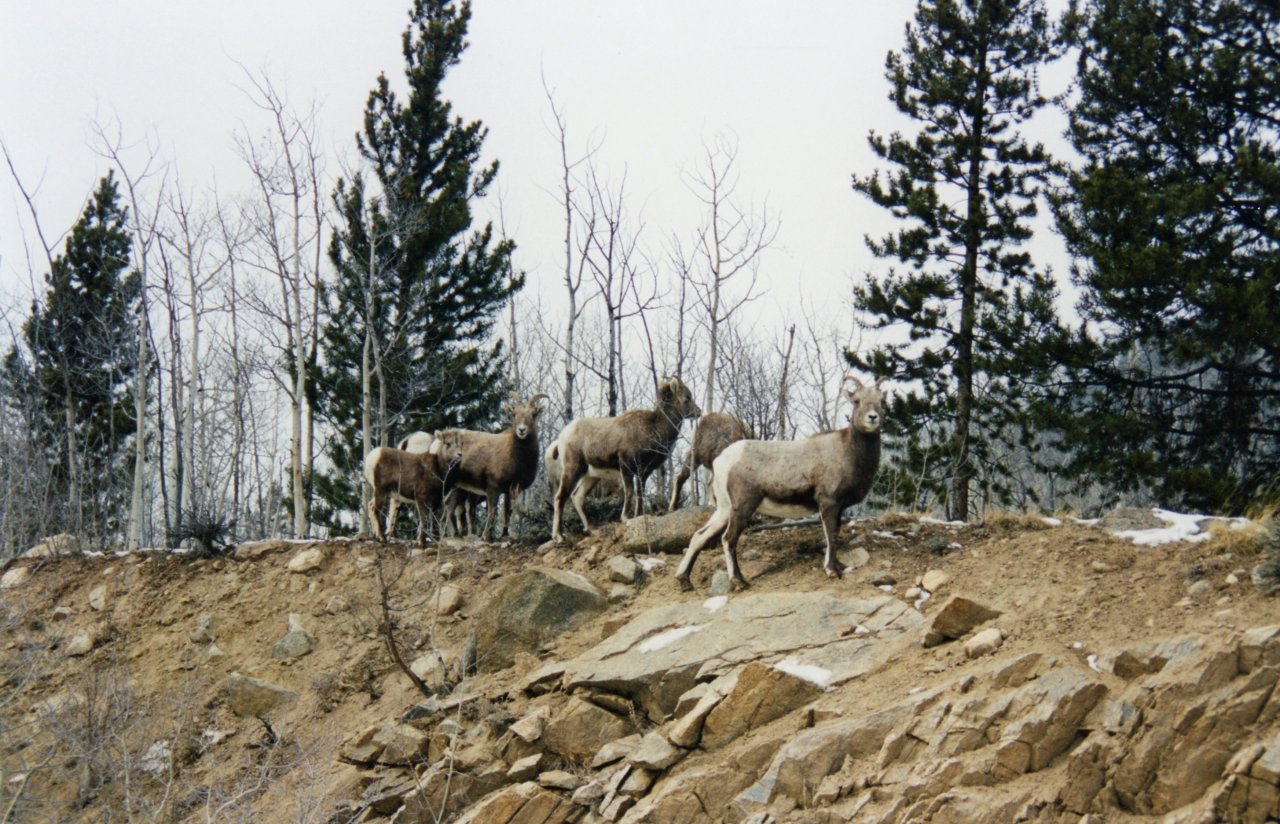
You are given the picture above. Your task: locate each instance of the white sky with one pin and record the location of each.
(797, 86)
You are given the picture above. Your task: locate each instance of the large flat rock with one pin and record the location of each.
(661, 653)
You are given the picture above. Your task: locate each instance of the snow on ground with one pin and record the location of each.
(663, 639)
(714, 603)
(1182, 527)
(1052, 521)
(650, 564)
(805, 672)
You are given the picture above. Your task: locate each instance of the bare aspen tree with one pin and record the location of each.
(784, 384)
(145, 218)
(573, 273)
(287, 173)
(729, 243)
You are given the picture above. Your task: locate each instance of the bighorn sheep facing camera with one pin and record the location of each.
(825, 473)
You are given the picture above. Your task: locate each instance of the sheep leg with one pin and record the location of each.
(375, 517)
(490, 506)
(739, 516)
(572, 469)
(393, 510)
(711, 530)
(506, 511)
(423, 514)
(677, 484)
(580, 492)
(831, 529)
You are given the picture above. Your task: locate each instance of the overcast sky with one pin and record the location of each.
(795, 86)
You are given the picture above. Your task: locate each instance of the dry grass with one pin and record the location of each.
(1014, 521)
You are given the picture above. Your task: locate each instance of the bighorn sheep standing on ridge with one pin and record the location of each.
(715, 431)
(422, 442)
(825, 473)
(422, 477)
(499, 464)
(629, 446)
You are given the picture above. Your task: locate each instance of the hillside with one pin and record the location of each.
(1130, 682)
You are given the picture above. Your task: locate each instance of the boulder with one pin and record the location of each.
(527, 768)
(1125, 518)
(615, 751)
(956, 618)
(529, 608)
(663, 533)
(854, 557)
(449, 600)
(15, 577)
(984, 643)
(655, 752)
(934, 580)
(660, 654)
(306, 560)
(98, 598)
(294, 644)
(760, 695)
(580, 729)
(250, 698)
(525, 803)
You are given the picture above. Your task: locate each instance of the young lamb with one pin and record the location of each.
(499, 464)
(629, 446)
(715, 431)
(420, 477)
(422, 442)
(825, 473)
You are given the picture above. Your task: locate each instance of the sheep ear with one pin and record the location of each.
(664, 389)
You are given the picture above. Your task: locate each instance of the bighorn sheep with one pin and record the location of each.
(825, 473)
(715, 431)
(421, 477)
(500, 464)
(421, 442)
(629, 446)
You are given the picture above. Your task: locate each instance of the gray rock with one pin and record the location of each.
(203, 633)
(81, 643)
(15, 577)
(623, 570)
(655, 752)
(526, 768)
(529, 608)
(449, 600)
(1125, 518)
(663, 533)
(984, 643)
(98, 598)
(854, 557)
(615, 751)
(956, 618)
(293, 645)
(250, 697)
(559, 780)
(621, 592)
(721, 584)
(662, 653)
(306, 560)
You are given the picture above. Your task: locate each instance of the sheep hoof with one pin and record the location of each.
(832, 572)
(738, 583)
(685, 585)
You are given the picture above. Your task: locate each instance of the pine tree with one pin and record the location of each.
(80, 342)
(417, 288)
(964, 321)
(1174, 220)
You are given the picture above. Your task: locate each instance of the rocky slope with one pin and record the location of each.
(1012, 670)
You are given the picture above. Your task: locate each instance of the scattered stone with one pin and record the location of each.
(337, 605)
(15, 577)
(851, 558)
(214, 651)
(294, 644)
(449, 600)
(250, 697)
(655, 752)
(615, 809)
(400, 745)
(984, 643)
(429, 667)
(82, 643)
(203, 633)
(883, 578)
(1232, 579)
(59, 613)
(559, 780)
(621, 592)
(592, 554)
(1198, 588)
(98, 598)
(638, 782)
(447, 569)
(759, 695)
(615, 751)
(525, 769)
(529, 728)
(580, 729)
(956, 618)
(912, 593)
(306, 560)
(1101, 566)
(589, 794)
(935, 580)
(721, 584)
(623, 570)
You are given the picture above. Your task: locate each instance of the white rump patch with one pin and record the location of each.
(713, 604)
(805, 672)
(650, 564)
(663, 639)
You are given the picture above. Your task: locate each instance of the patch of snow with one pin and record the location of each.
(1092, 660)
(955, 545)
(650, 564)
(924, 596)
(1078, 645)
(880, 533)
(663, 639)
(805, 672)
(925, 519)
(714, 603)
(1086, 521)
(1182, 527)
(1052, 521)
(861, 630)
(886, 587)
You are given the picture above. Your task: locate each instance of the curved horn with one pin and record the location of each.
(850, 377)
(534, 399)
